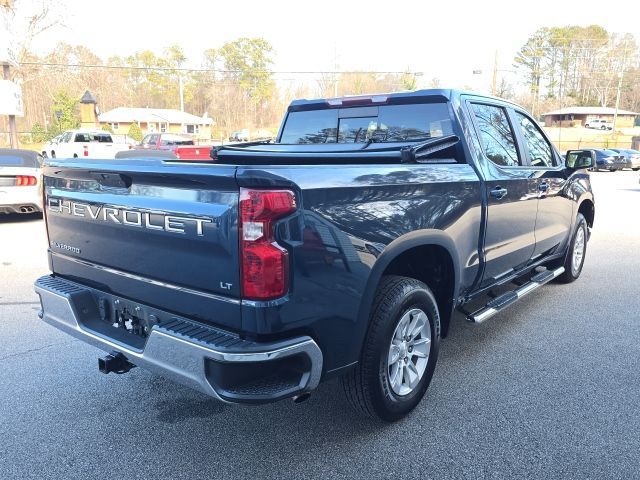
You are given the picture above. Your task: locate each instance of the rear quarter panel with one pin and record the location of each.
(347, 218)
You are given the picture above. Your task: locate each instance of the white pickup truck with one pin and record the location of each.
(83, 143)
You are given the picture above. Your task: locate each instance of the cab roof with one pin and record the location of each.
(433, 95)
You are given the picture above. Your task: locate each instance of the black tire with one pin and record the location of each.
(571, 274)
(367, 386)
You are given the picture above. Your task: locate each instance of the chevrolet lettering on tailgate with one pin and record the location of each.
(128, 217)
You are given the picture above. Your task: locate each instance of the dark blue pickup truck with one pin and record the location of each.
(343, 248)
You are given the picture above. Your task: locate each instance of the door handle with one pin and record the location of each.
(543, 187)
(498, 192)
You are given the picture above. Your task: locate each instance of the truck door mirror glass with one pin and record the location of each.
(577, 159)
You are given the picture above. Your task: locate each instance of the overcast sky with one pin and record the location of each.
(445, 39)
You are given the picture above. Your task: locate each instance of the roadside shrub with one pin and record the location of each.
(107, 128)
(135, 132)
(39, 134)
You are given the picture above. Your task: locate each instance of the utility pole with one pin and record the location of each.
(181, 88)
(494, 86)
(620, 75)
(7, 5)
(13, 131)
(335, 70)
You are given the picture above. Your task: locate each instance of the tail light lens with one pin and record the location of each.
(25, 181)
(265, 264)
(86, 150)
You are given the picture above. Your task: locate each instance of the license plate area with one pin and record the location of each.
(118, 319)
(130, 319)
(134, 320)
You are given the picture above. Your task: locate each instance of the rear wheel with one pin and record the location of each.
(574, 259)
(400, 350)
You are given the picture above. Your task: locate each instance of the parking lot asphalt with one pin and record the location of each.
(550, 388)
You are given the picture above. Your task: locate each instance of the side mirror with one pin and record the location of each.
(577, 159)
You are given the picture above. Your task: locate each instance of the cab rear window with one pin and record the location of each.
(380, 124)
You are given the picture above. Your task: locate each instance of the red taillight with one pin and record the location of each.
(25, 181)
(265, 264)
(86, 150)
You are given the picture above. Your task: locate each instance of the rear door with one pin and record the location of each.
(511, 191)
(555, 208)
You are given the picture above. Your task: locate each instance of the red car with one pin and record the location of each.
(182, 146)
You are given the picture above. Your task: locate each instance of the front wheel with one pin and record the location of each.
(574, 259)
(400, 350)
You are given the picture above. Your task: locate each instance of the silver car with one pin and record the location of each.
(20, 181)
(632, 157)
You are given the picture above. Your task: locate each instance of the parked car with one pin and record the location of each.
(632, 157)
(83, 143)
(600, 124)
(342, 249)
(20, 181)
(608, 160)
(182, 146)
(239, 136)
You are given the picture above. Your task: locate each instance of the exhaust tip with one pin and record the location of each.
(303, 397)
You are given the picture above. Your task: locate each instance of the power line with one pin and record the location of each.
(211, 70)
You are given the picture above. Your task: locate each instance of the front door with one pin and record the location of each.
(555, 208)
(512, 195)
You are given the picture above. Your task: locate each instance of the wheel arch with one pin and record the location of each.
(438, 250)
(587, 208)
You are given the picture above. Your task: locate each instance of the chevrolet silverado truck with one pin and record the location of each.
(341, 249)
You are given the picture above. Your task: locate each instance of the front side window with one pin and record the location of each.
(496, 136)
(540, 152)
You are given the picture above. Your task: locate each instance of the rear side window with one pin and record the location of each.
(93, 137)
(540, 152)
(381, 124)
(496, 136)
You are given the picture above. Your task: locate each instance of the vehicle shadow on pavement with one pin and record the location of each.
(20, 218)
(292, 432)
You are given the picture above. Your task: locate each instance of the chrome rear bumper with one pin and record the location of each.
(214, 361)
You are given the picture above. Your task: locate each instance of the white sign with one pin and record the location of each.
(11, 99)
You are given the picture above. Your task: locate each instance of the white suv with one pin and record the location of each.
(600, 124)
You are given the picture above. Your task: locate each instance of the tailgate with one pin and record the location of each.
(163, 234)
